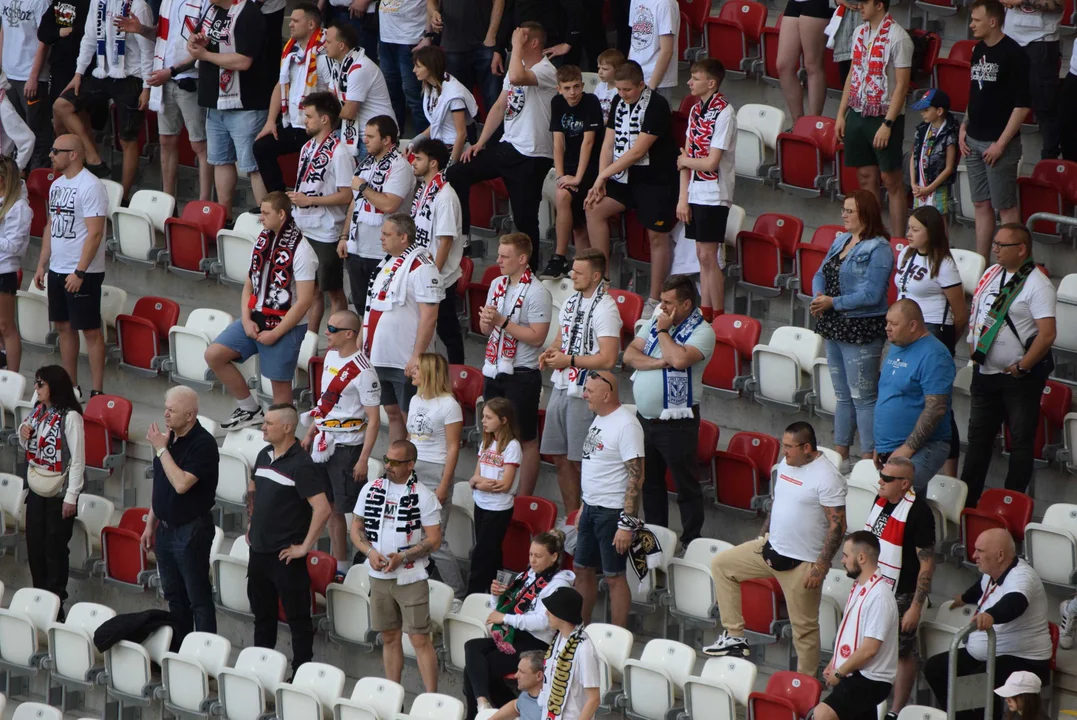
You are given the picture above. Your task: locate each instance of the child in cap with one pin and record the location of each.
(933, 160)
(1022, 693)
(571, 674)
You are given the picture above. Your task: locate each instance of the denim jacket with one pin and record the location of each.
(864, 276)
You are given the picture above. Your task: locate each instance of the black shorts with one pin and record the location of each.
(655, 205)
(9, 283)
(94, 93)
(523, 389)
(809, 8)
(579, 217)
(330, 265)
(339, 468)
(857, 698)
(83, 308)
(58, 81)
(708, 223)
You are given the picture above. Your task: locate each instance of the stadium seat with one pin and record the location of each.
(937, 633)
(763, 606)
(953, 73)
(779, 367)
(186, 674)
(836, 589)
(821, 399)
(1066, 316)
(311, 693)
(107, 421)
(1068, 455)
(38, 183)
(467, 623)
(971, 266)
(946, 497)
(733, 36)
(808, 260)
(647, 595)
(744, 468)
(135, 228)
(806, 156)
(723, 684)
(1055, 402)
(244, 689)
(12, 387)
(530, 517)
(846, 179)
(825, 235)
(630, 308)
(142, 335)
(467, 384)
(436, 706)
(997, 508)
(692, 599)
(191, 239)
(476, 295)
(653, 683)
(1052, 188)
(694, 14)
(123, 559)
(12, 502)
(1051, 545)
(761, 266)
(560, 291)
(727, 371)
(758, 127)
(23, 627)
(32, 317)
(461, 530)
(93, 514)
(921, 712)
(786, 229)
(347, 619)
(187, 345)
(232, 265)
(924, 73)
(613, 645)
(863, 487)
(229, 573)
(234, 471)
(36, 711)
(834, 82)
(441, 604)
(73, 661)
(788, 696)
(372, 698)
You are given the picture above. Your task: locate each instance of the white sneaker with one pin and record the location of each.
(726, 644)
(1068, 628)
(648, 309)
(244, 418)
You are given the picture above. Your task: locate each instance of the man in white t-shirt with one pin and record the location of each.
(401, 313)
(321, 197)
(383, 181)
(357, 82)
(865, 660)
(73, 254)
(25, 57)
(656, 25)
(403, 26)
(273, 313)
(571, 676)
(344, 423)
(516, 320)
(1011, 330)
(397, 526)
(437, 214)
(795, 546)
(611, 479)
(588, 338)
(524, 154)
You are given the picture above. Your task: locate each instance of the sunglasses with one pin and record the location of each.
(593, 375)
(57, 151)
(389, 462)
(891, 478)
(333, 329)
(39, 383)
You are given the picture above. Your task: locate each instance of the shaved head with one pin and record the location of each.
(909, 310)
(346, 319)
(994, 552)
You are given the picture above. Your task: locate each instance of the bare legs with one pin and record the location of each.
(802, 35)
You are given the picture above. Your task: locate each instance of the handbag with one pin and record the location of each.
(46, 483)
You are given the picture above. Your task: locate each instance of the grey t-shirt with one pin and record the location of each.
(528, 707)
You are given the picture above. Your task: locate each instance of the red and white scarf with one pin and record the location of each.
(189, 12)
(324, 443)
(422, 209)
(701, 121)
(868, 87)
(501, 347)
(849, 635)
(307, 57)
(228, 90)
(272, 272)
(45, 449)
(891, 535)
(389, 287)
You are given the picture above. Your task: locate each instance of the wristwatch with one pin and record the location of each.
(888, 123)
(363, 187)
(664, 330)
(80, 274)
(838, 675)
(1020, 370)
(161, 451)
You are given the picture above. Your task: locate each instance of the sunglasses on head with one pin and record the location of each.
(333, 329)
(595, 375)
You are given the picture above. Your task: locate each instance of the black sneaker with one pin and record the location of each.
(243, 419)
(556, 268)
(96, 392)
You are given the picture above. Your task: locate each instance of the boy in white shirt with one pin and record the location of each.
(606, 91)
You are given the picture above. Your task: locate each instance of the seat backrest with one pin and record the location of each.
(921, 712)
(865, 475)
(736, 674)
(539, 514)
(1055, 403)
(741, 330)
(324, 680)
(208, 216)
(786, 229)
(477, 606)
(749, 16)
(210, 650)
(820, 130)
(767, 120)
(954, 617)
(208, 320)
(249, 224)
(837, 585)
(612, 643)
(88, 616)
(760, 448)
(970, 266)
(11, 496)
(962, 50)
(134, 519)
(159, 206)
(240, 549)
(1062, 515)
(41, 606)
(384, 697)
(12, 386)
(825, 235)
(248, 442)
(675, 658)
(112, 411)
(949, 494)
(1015, 507)
(162, 312)
(801, 690)
(95, 512)
(803, 343)
(435, 706)
(322, 568)
(702, 550)
(467, 384)
(36, 711)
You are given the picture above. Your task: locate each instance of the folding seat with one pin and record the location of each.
(113, 301)
(347, 619)
(12, 501)
(825, 235)
(107, 422)
(476, 295)
(311, 693)
(372, 698)
(806, 156)
(744, 468)
(12, 387)
(924, 73)
(760, 260)
(23, 627)
(1067, 456)
(467, 383)
(435, 706)
(233, 473)
(921, 712)
(946, 496)
(637, 247)
(953, 73)
(971, 266)
(836, 589)
(243, 690)
(441, 604)
(530, 516)
(467, 623)
(997, 508)
(1052, 188)
(937, 633)
(234, 250)
(230, 580)
(613, 645)
(728, 370)
(187, 345)
(694, 14)
(863, 487)
(461, 530)
(128, 677)
(289, 168)
(141, 336)
(846, 177)
(93, 514)
(32, 317)
(778, 367)
(763, 606)
(135, 227)
(123, 559)
(73, 662)
(38, 183)
(822, 399)
(1066, 316)
(36, 711)
(723, 684)
(758, 127)
(832, 455)
(692, 599)
(191, 239)
(186, 675)
(1054, 403)
(630, 308)
(647, 595)
(733, 36)
(788, 696)
(487, 202)
(653, 684)
(1051, 545)
(786, 229)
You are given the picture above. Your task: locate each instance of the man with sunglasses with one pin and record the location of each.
(344, 423)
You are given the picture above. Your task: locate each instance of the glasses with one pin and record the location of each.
(794, 446)
(389, 462)
(891, 478)
(848, 211)
(593, 375)
(996, 243)
(39, 383)
(333, 329)
(57, 151)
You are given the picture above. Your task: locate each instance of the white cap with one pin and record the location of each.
(1020, 683)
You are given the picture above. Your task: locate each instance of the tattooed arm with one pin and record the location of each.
(935, 409)
(362, 543)
(835, 531)
(635, 484)
(431, 541)
(1048, 6)
(911, 619)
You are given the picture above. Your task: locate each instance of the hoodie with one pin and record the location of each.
(535, 620)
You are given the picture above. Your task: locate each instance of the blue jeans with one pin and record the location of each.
(276, 361)
(472, 68)
(183, 563)
(405, 90)
(854, 370)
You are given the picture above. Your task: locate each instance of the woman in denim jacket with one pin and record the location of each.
(850, 305)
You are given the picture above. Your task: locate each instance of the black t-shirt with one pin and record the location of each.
(196, 453)
(249, 32)
(464, 24)
(662, 167)
(281, 516)
(64, 51)
(586, 116)
(999, 84)
(919, 533)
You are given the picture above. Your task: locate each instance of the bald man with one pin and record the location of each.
(1010, 598)
(916, 382)
(180, 525)
(611, 479)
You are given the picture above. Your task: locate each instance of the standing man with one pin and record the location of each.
(865, 660)
(344, 424)
(915, 389)
(61, 29)
(24, 57)
(902, 521)
(397, 525)
(288, 508)
(990, 138)
(401, 313)
(404, 26)
(73, 251)
(1033, 24)
(611, 478)
(516, 319)
(796, 546)
(469, 38)
(669, 354)
(656, 25)
(357, 82)
(179, 527)
(871, 117)
(588, 337)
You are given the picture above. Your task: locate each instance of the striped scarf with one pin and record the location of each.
(293, 53)
(891, 533)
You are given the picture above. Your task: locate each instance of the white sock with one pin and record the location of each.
(1071, 606)
(248, 403)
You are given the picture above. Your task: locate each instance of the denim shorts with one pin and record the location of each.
(276, 361)
(232, 132)
(595, 529)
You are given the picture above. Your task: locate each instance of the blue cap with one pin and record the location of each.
(933, 97)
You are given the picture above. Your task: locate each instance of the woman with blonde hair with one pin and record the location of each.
(15, 218)
(435, 425)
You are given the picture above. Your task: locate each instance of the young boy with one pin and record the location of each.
(708, 167)
(605, 91)
(575, 121)
(934, 152)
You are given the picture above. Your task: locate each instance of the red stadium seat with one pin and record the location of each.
(848, 177)
(923, 74)
(786, 229)
(789, 696)
(962, 50)
(322, 568)
(467, 385)
(142, 334)
(826, 234)
(1007, 509)
(630, 307)
(467, 270)
(191, 239)
(289, 168)
(806, 156)
(734, 338)
(733, 36)
(694, 14)
(953, 74)
(809, 259)
(706, 446)
(476, 297)
(123, 559)
(742, 470)
(763, 605)
(1052, 188)
(37, 189)
(314, 378)
(107, 419)
(530, 516)
(768, 42)
(1054, 404)
(760, 260)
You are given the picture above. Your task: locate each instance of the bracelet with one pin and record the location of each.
(505, 324)
(161, 451)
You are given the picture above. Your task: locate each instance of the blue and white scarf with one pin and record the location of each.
(106, 31)
(677, 398)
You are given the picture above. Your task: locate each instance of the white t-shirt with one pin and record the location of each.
(356, 78)
(536, 308)
(871, 615)
(914, 281)
(444, 129)
(723, 137)
(1036, 301)
(440, 218)
(605, 92)
(429, 513)
(611, 441)
(304, 267)
(492, 466)
(179, 32)
(527, 112)
(649, 20)
(426, 426)
(901, 49)
(396, 330)
(797, 522)
(293, 73)
(585, 674)
(71, 201)
(392, 175)
(20, 20)
(359, 394)
(1026, 636)
(323, 223)
(1028, 25)
(606, 322)
(402, 21)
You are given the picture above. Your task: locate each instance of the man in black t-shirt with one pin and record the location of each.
(575, 121)
(179, 526)
(468, 37)
(61, 29)
(990, 137)
(903, 522)
(288, 505)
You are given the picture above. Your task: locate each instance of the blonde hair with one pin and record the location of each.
(502, 410)
(10, 184)
(433, 376)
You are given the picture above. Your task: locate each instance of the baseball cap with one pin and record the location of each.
(1020, 683)
(933, 97)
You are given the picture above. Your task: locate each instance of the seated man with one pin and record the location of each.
(529, 683)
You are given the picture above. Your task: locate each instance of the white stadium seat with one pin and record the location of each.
(247, 442)
(348, 610)
(692, 599)
(780, 366)
(441, 602)
(715, 692)
(832, 455)
(113, 302)
(647, 594)
(1066, 315)
(652, 683)
(946, 496)
(186, 675)
(230, 579)
(12, 501)
(32, 317)
(135, 227)
(23, 627)
(590, 81)
(12, 387)
(863, 487)
(970, 266)
(234, 472)
(435, 706)
(312, 692)
(245, 688)
(1068, 454)
(823, 400)
(94, 513)
(129, 667)
(187, 346)
(467, 623)
(836, 589)
(372, 698)
(758, 127)
(613, 645)
(37, 711)
(937, 633)
(921, 712)
(461, 529)
(1051, 545)
(72, 654)
(233, 262)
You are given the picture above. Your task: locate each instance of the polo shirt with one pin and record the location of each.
(1018, 604)
(282, 513)
(196, 453)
